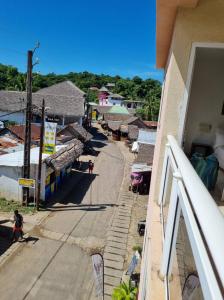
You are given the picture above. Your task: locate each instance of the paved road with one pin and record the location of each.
(58, 264)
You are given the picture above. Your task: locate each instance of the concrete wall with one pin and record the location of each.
(9, 187)
(206, 98)
(204, 24)
(18, 117)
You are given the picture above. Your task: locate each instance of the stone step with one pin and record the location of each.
(116, 245)
(118, 234)
(114, 257)
(118, 265)
(117, 239)
(118, 229)
(108, 289)
(114, 281)
(114, 250)
(113, 272)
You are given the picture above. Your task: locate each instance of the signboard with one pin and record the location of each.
(98, 271)
(94, 115)
(49, 137)
(27, 182)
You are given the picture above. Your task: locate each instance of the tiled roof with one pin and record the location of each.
(151, 123)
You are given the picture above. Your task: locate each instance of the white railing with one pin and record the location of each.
(204, 222)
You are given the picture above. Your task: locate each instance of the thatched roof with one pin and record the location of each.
(75, 131)
(145, 154)
(65, 88)
(61, 105)
(133, 132)
(114, 125)
(65, 156)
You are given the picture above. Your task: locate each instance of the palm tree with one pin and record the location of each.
(125, 291)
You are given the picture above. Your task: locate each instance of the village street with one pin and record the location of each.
(56, 263)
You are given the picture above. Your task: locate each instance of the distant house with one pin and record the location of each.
(103, 95)
(117, 113)
(133, 104)
(110, 85)
(64, 100)
(54, 169)
(115, 99)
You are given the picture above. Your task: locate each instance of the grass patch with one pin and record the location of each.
(10, 206)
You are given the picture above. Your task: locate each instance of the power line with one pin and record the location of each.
(14, 112)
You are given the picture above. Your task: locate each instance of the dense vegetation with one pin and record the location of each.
(148, 91)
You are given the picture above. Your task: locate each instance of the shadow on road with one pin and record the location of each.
(5, 238)
(86, 207)
(78, 191)
(98, 135)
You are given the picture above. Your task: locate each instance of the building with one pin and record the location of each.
(133, 104)
(54, 169)
(115, 99)
(103, 95)
(183, 243)
(17, 132)
(64, 100)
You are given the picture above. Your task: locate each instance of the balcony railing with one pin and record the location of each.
(203, 219)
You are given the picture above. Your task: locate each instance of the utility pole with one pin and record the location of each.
(27, 142)
(40, 154)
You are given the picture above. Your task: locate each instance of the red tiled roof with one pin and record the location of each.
(151, 123)
(19, 131)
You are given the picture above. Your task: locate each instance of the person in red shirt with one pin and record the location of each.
(18, 225)
(91, 166)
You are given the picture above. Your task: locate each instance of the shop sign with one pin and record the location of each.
(49, 137)
(25, 182)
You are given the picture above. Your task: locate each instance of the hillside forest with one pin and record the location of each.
(148, 91)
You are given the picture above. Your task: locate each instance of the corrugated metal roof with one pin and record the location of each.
(147, 136)
(15, 159)
(117, 109)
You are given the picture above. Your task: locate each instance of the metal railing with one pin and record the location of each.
(203, 219)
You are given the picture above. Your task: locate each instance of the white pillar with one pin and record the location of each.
(171, 229)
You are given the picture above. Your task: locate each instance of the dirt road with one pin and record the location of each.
(56, 263)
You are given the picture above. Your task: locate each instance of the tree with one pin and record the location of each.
(147, 91)
(125, 291)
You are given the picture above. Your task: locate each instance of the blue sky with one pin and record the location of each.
(111, 37)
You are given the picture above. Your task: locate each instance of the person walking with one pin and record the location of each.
(18, 225)
(91, 166)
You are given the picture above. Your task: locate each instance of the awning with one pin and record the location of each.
(141, 168)
(65, 156)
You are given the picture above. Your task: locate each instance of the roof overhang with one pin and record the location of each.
(166, 11)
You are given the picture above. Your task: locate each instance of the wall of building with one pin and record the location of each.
(18, 117)
(204, 24)
(9, 187)
(112, 101)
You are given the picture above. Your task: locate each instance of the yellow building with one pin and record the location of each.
(184, 240)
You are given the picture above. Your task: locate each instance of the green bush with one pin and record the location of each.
(125, 291)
